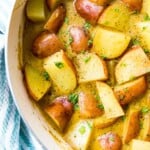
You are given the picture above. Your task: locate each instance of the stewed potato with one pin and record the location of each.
(87, 63)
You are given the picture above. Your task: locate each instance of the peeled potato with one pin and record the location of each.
(108, 43)
(61, 71)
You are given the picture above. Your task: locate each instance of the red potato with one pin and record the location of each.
(88, 10)
(110, 141)
(80, 39)
(60, 111)
(88, 106)
(45, 44)
(56, 19)
(134, 4)
(101, 2)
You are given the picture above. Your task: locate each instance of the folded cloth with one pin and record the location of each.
(14, 135)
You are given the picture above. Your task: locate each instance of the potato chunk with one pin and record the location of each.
(133, 64)
(37, 82)
(110, 141)
(145, 131)
(101, 2)
(139, 145)
(56, 19)
(60, 111)
(61, 71)
(88, 63)
(52, 4)
(134, 4)
(45, 44)
(118, 42)
(88, 10)
(35, 10)
(88, 106)
(111, 105)
(143, 33)
(146, 7)
(131, 126)
(79, 134)
(80, 39)
(116, 15)
(131, 90)
(103, 122)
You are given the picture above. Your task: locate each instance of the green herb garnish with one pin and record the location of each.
(66, 20)
(146, 17)
(90, 42)
(46, 75)
(87, 59)
(73, 98)
(147, 51)
(82, 130)
(101, 106)
(59, 65)
(145, 110)
(111, 138)
(87, 25)
(135, 41)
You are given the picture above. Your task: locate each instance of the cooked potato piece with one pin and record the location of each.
(35, 10)
(110, 141)
(61, 71)
(52, 4)
(80, 39)
(134, 4)
(101, 2)
(90, 67)
(111, 105)
(139, 145)
(37, 82)
(133, 64)
(56, 19)
(103, 122)
(131, 126)
(79, 134)
(45, 44)
(146, 7)
(118, 42)
(88, 10)
(88, 105)
(131, 90)
(116, 16)
(60, 111)
(143, 32)
(145, 131)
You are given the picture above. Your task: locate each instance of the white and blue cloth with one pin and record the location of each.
(14, 135)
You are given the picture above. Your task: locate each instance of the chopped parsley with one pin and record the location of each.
(66, 20)
(73, 98)
(90, 42)
(147, 51)
(135, 41)
(117, 10)
(82, 130)
(87, 59)
(146, 17)
(111, 138)
(145, 110)
(59, 65)
(89, 124)
(101, 106)
(87, 25)
(46, 75)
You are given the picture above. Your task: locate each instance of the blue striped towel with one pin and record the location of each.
(14, 135)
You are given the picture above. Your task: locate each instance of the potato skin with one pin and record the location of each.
(134, 4)
(110, 141)
(56, 19)
(127, 92)
(80, 39)
(100, 2)
(45, 44)
(88, 10)
(88, 106)
(60, 110)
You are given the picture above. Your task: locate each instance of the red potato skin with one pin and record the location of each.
(110, 141)
(134, 4)
(88, 106)
(56, 19)
(45, 44)
(60, 110)
(80, 39)
(101, 2)
(88, 10)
